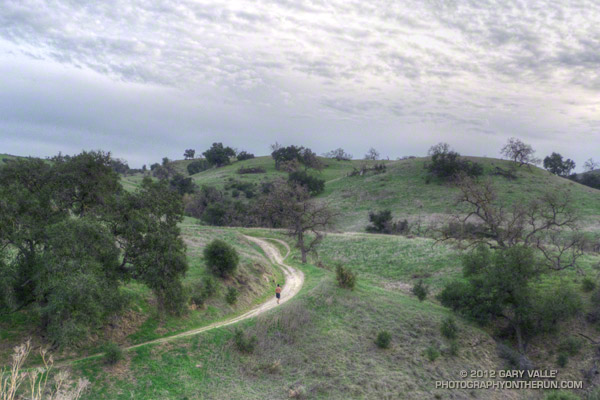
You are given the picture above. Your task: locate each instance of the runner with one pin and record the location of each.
(278, 293)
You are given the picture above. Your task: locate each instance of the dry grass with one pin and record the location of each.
(34, 384)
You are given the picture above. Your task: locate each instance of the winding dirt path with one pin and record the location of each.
(294, 280)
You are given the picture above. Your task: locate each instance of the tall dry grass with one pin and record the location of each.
(34, 383)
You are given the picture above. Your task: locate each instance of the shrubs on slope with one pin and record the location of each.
(346, 279)
(447, 163)
(221, 258)
(382, 222)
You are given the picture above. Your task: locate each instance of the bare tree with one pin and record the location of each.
(372, 154)
(519, 152)
(590, 165)
(548, 223)
(304, 218)
(338, 154)
(275, 146)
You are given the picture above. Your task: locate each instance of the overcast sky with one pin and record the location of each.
(150, 78)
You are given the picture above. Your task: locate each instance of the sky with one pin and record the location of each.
(146, 79)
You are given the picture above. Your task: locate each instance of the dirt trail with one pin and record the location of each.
(293, 283)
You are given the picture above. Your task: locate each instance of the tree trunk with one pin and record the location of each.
(301, 246)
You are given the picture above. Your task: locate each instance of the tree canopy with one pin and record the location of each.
(70, 236)
(219, 155)
(555, 164)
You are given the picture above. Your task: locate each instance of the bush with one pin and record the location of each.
(243, 155)
(251, 170)
(215, 214)
(384, 339)
(243, 343)
(432, 353)
(197, 166)
(552, 307)
(302, 178)
(571, 346)
(420, 290)
(112, 353)
(562, 359)
(588, 284)
(381, 222)
(232, 295)
(204, 291)
(446, 163)
(346, 278)
(449, 329)
(221, 258)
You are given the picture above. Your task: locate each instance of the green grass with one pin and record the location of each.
(323, 340)
(255, 279)
(404, 189)
(389, 259)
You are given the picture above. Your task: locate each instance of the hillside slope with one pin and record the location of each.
(255, 281)
(320, 345)
(405, 189)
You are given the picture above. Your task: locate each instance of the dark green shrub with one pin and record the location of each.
(384, 339)
(221, 258)
(552, 307)
(204, 291)
(562, 359)
(571, 345)
(251, 170)
(219, 155)
(243, 155)
(588, 284)
(346, 278)
(313, 184)
(446, 163)
(112, 353)
(380, 221)
(432, 353)
(243, 343)
(197, 166)
(420, 290)
(448, 328)
(215, 214)
(232, 295)
(235, 193)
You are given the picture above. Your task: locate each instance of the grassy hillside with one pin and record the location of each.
(321, 344)
(405, 188)
(255, 280)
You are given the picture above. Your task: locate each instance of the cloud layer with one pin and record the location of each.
(394, 75)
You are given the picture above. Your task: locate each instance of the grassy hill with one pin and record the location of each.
(405, 188)
(321, 344)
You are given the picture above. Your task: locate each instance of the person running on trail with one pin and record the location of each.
(278, 293)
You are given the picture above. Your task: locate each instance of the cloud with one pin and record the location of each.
(435, 68)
